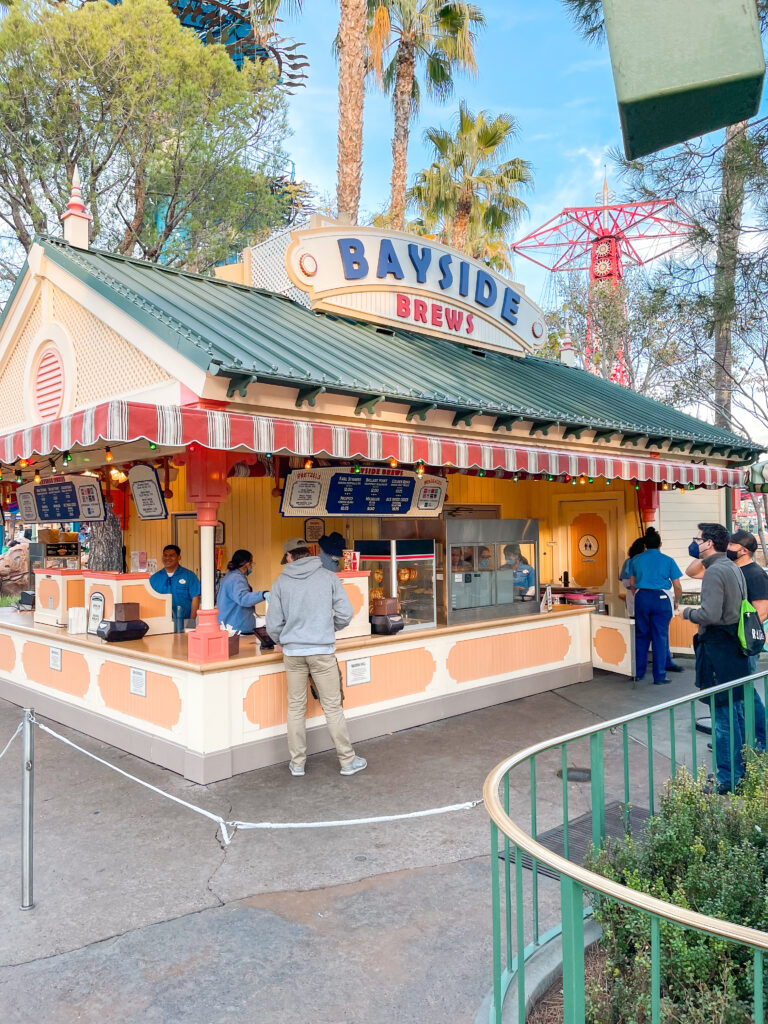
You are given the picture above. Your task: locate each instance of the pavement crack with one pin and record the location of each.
(224, 848)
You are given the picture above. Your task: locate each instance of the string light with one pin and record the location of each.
(574, 481)
(607, 482)
(690, 486)
(582, 479)
(152, 446)
(309, 463)
(67, 458)
(356, 468)
(591, 480)
(665, 486)
(108, 454)
(515, 478)
(420, 468)
(481, 472)
(19, 479)
(37, 476)
(550, 478)
(567, 478)
(637, 487)
(393, 462)
(23, 463)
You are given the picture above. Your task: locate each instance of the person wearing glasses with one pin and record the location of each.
(719, 655)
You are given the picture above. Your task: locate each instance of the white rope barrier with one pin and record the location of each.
(10, 741)
(169, 796)
(354, 821)
(234, 826)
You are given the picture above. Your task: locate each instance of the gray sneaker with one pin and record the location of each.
(354, 766)
(295, 769)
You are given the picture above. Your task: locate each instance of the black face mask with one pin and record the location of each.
(733, 555)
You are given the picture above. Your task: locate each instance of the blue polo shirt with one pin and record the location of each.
(182, 587)
(653, 570)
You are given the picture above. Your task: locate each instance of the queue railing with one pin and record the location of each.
(628, 760)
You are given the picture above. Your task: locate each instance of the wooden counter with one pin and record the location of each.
(209, 722)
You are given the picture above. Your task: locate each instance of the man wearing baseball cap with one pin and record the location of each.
(307, 606)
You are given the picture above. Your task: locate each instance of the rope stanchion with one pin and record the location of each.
(169, 796)
(19, 727)
(228, 827)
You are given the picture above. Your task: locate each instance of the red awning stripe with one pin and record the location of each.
(118, 422)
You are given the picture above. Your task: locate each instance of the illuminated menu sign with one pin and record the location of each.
(62, 499)
(372, 491)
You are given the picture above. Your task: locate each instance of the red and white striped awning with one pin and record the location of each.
(171, 426)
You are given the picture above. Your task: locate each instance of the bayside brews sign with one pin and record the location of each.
(401, 279)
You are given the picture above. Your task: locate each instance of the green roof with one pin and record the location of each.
(246, 334)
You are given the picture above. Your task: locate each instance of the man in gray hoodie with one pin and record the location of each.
(307, 605)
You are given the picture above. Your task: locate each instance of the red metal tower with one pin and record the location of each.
(604, 239)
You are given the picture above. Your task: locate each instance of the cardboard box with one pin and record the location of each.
(127, 611)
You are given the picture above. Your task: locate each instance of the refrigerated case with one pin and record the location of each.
(404, 569)
(491, 568)
(54, 555)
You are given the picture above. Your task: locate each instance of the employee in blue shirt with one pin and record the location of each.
(523, 573)
(654, 574)
(236, 599)
(182, 584)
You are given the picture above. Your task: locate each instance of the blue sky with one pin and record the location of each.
(531, 63)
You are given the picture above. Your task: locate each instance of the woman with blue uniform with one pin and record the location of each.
(654, 574)
(236, 599)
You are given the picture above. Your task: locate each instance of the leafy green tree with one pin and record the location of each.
(719, 179)
(471, 188)
(437, 35)
(177, 149)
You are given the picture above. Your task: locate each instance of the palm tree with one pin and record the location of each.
(437, 34)
(351, 49)
(470, 187)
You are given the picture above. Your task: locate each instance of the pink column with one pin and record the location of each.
(206, 488)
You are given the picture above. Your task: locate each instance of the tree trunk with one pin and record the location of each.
(724, 293)
(406, 70)
(105, 550)
(461, 222)
(761, 523)
(352, 27)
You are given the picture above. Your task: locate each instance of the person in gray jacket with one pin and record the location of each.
(307, 605)
(719, 655)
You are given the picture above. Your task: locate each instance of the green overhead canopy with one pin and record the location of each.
(246, 334)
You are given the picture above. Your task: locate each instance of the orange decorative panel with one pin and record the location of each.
(48, 594)
(266, 702)
(610, 645)
(74, 677)
(149, 607)
(7, 654)
(483, 657)
(355, 595)
(396, 674)
(589, 550)
(161, 706)
(681, 632)
(75, 593)
(48, 384)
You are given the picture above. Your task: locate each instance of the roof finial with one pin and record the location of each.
(76, 218)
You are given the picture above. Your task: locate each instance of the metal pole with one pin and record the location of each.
(27, 807)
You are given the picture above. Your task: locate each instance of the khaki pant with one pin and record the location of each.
(325, 673)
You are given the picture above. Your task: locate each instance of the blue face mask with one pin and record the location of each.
(483, 563)
(693, 549)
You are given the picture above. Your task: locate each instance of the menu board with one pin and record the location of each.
(62, 499)
(372, 491)
(146, 492)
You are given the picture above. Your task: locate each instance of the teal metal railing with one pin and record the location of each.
(629, 760)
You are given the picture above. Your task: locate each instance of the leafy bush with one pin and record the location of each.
(704, 853)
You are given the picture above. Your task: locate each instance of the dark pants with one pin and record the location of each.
(653, 612)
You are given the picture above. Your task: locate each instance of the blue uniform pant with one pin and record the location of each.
(653, 611)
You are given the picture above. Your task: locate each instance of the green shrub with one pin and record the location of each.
(704, 853)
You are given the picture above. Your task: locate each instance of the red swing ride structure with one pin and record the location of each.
(605, 239)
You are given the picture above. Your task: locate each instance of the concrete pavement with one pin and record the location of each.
(142, 916)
